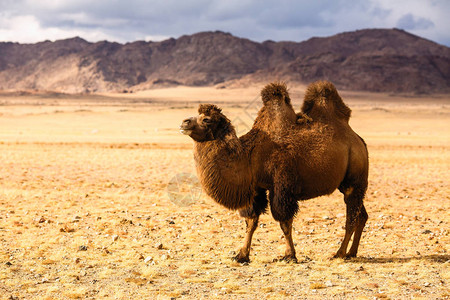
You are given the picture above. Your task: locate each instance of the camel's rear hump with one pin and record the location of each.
(323, 100)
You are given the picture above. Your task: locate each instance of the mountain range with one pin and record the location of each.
(377, 60)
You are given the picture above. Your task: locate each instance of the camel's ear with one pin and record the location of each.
(275, 91)
(208, 109)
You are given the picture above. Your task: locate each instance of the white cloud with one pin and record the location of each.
(36, 20)
(28, 29)
(428, 19)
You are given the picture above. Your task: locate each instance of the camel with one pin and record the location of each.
(292, 156)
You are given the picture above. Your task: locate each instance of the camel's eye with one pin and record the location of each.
(206, 121)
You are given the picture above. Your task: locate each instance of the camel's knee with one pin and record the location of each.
(251, 224)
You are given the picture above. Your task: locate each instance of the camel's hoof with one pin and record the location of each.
(349, 256)
(344, 256)
(287, 258)
(338, 255)
(241, 260)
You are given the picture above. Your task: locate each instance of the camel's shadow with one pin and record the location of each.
(385, 260)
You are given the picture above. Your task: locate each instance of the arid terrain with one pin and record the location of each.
(98, 200)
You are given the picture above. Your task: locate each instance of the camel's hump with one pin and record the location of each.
(324, 95)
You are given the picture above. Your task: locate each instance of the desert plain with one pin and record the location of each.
(98, 199)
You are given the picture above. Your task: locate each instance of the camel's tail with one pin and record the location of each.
(322, 96)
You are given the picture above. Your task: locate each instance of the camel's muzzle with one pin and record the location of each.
(187, 126)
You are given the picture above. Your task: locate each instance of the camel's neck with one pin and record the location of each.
(224, 171)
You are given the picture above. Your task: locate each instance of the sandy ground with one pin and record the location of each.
(98, 199)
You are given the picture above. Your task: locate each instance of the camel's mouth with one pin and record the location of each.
(185, 131)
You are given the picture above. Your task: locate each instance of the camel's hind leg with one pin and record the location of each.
(251, 215)
(361, 222)
(355, 221)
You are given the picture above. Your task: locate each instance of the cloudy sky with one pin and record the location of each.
(29, 21)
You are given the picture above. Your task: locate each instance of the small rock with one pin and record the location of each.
(306, 260)
(328, 283)
(427, 284)
(165, 257)
(360, 269)
(159, 246)
(82, 248)
(426, 231)
(148, 259)
(326, 217)
(115, 237)
(126, 221)
(8, 264)
(77, 260)
(41, 220)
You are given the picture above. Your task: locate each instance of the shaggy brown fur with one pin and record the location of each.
(323, 101)
(291, 161)
(277, 114)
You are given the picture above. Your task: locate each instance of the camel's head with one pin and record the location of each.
(275, 93)
(210, 124)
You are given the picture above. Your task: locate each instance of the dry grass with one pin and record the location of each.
(85, 212)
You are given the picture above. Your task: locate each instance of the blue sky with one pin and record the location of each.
(29, 21)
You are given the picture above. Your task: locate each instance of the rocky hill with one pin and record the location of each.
(380, 60)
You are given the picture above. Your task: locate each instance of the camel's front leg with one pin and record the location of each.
(289, 255)
(251, 215)
(284, 207)
(244, 253)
